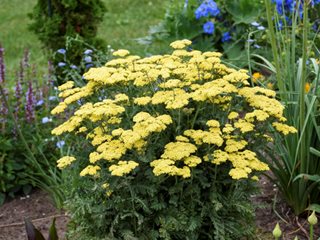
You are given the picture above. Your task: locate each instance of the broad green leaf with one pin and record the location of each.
(244, 11)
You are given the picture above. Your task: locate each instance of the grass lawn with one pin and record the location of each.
(124, 21)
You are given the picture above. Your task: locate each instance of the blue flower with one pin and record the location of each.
(61, 51)
(89, 65)
(87, 52)
(52, 98)
(60, 144)
(46, 120)
(255, 24)
(226, 37)
(73, 66)
(207, 8)
(61, 64)
(88, 59)
(208, 27)
(40, 102)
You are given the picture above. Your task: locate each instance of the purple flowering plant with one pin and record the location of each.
(25, 105)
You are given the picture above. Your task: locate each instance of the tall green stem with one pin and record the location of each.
(302, 88)
(276, 59)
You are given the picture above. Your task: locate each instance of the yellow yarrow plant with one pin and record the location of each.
(170, 114)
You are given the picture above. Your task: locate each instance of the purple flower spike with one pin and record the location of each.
(18, 95)
(30, 102)
(2, 66)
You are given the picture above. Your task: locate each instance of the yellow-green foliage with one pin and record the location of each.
(213, 113)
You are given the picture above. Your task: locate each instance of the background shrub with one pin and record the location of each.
(54, 21)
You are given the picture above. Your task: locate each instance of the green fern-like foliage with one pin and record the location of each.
(205, 207)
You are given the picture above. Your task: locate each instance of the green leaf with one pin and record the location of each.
(244, 11)
(315, 151)
(314, 178)
(2, 198)
(53, 235)
(314, 207)
(32, 232)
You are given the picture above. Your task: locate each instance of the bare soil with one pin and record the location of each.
(39, 208)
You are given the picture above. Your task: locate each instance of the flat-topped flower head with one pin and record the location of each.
(169, 115)
(180, 44)
(121, 53)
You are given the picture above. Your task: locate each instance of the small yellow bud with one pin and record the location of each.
(312, 219)
(307, 87)
(270, 85)
(277, 231)
(296, 238)
(257, 76)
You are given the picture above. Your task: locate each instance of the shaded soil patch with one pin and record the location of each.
(38, 207)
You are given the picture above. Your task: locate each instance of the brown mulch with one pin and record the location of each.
(39, 208)
(272, 209)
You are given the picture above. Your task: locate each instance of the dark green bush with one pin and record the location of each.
(56, 20)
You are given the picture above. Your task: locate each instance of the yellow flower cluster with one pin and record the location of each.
(65, 161)
(176, 152)
(142, 104)
(123, 167)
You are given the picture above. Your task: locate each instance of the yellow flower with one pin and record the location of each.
(121, 53)
(284, 128)
(122, 168)
(142, 100)
(65, 161)
(180, 44)
(233, 115)
(178, 150)
(90, 170)
(270, 85)
(257, 76)
(65, 86)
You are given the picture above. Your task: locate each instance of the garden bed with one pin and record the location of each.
(38, 207)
